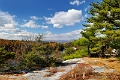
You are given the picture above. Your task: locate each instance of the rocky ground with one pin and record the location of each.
(74, 69)
(95, 69)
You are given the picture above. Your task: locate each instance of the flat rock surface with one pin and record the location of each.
(40, 75)
(54, 73)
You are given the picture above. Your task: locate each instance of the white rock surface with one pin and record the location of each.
(39, 75)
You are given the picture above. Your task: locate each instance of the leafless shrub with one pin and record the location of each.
(80, 72)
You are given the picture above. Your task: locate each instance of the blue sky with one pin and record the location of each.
(56, 19)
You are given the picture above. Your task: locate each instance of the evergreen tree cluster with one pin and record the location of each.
(102, 28)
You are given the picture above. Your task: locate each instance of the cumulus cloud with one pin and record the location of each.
(30, 24)
(24, 33)
(77, 2)
(16, 36)
(7, 22)
(8, 27)
(69, 18)
(64, 36)
(35, 18)
(44, 27)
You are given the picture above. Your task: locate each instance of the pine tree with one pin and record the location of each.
(104, 23)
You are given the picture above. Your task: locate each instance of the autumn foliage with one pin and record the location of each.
(26, 54)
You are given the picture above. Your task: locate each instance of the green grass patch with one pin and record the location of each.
(77, 54)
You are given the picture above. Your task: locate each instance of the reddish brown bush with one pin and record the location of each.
(80, 72)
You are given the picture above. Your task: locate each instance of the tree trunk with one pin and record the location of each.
(89, 49)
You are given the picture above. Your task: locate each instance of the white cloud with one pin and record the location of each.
(7, 22)
(69, 18)
(44, 27)
(35, 18)
(4, 35)
(64, 36)
(86, 8)
(8, 28)
(30, 24)
(77, 2)
(85, 15)
(33, 24)
(16, 36)
(23, 33)
(49, 9)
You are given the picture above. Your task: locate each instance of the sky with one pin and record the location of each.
(55, 19)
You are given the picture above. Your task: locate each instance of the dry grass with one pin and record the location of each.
(77, 72)
(113, 63)
(80, 72)
(16, 77)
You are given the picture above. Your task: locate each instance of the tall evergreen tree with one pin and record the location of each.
(89, 34)
(105, 20)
